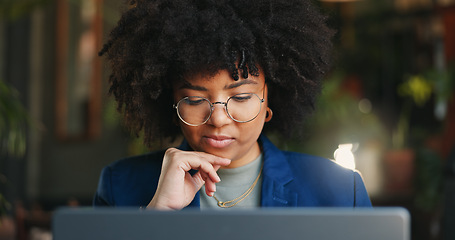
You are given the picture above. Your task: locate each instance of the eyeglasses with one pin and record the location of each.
(242, 108)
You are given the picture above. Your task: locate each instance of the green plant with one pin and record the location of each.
(417, 90)
(13, 9)
(14, 120)
(429, 179)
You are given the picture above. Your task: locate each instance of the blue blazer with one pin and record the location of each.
(289, 180)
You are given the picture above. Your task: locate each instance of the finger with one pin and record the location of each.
(214, 160)
(216, 167)
(197, 179)
(210, 170)
(174, 152)
(193, 157)
(201, 178)
(210, 188)
(199, 161)
(201, 165)
(204, 175)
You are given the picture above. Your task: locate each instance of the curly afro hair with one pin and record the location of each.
(157, 42)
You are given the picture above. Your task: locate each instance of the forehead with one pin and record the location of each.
(221, 79)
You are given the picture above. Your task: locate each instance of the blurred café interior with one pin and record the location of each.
(387, 108)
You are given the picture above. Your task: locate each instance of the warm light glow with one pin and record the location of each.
(344, 156)
(365, 106)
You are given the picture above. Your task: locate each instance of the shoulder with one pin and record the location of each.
(135, 170)
(331, 183)
(302, 165)
(134, 163)
(130, 181)
(316, 165)
(299, 161)
(318, 171)
(316, 180)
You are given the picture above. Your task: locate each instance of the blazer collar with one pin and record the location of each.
(275, 164)
(277, 175)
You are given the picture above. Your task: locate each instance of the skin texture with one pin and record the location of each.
(221, 142)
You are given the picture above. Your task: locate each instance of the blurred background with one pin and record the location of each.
(387, 108)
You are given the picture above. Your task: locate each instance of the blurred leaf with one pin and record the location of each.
(429, 179)
(14, 120)
(13, 9)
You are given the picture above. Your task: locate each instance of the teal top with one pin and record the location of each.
(234, 183)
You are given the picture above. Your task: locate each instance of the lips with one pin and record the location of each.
(218, 141)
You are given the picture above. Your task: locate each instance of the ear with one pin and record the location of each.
(268, 115)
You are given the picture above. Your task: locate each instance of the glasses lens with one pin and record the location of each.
(194, 110)
(244, 107)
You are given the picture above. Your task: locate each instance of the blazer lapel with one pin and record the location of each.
(276, 178)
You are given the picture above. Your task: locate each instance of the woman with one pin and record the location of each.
(212, 71)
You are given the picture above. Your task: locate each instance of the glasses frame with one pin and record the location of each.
(212, 107)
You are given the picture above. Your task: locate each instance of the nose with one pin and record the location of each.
(219, 116)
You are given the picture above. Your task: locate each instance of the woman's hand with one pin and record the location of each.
(176, 187)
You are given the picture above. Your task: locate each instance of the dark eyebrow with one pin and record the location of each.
(240, 83)
(188, 85)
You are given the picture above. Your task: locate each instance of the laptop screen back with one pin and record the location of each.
(264, 224)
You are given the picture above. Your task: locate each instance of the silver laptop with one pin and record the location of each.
(263, 224)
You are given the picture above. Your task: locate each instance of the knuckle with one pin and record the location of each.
(170, 151)
(173, 153)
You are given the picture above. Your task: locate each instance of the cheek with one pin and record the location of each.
(254, 127)
(186, 130)
(191, 134)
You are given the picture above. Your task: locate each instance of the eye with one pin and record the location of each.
(194, 101)
(243, 97)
